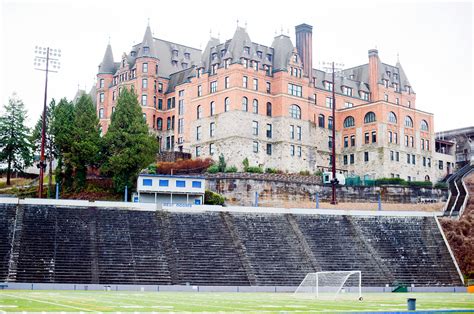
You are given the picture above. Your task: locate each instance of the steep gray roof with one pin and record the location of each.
(78, 95)
(107, 66)
(93, 93)
(403, 77)
(283, 49)
(179, 78)
(149, 43)
(340, 81)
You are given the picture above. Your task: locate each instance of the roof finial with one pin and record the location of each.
(281, 29)
(148, 22)
(245, 24)
(210, 33)
(237, 22)
(398, 57)
(288, 31)
(109, 40)
(219, 35)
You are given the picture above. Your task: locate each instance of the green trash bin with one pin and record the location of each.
(411, 304)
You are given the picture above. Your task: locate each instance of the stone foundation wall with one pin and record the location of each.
(298, 191)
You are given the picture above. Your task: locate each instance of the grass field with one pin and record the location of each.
(124, 301)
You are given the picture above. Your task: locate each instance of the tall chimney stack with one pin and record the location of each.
(374, 62)
(304, 45)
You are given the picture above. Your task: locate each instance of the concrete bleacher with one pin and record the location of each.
(219, 247)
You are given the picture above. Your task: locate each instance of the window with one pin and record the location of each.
(366, 156)
(168, 123)
(145, 67)
(298, 151)
(395, 137)
(295, 112)
(345, 159)
(353, 140)
(346, 141)
(160, 104)
(254, 128)
(227, 63)
(348, 105)
(154, 101)
(364, 95)
(226, 104)
(159, 124)
(422, 144)
(180, 183)
(245, 81)
(392, 155)
(392, 117)
(295, 90)
(292, 150)
(198, 133)
(255, 147)
(199, 112)
(351, 158)
(328, 85)
(245, 104)
(366, 138)
(212, 108)
(255, 84)
(196, 184)
(369, 117)
(101, 97)
(226, 82)
(101, 113)
(147, 182)
(198, 151)
(101, 83)
(406, 140)
(321, 122)
(144, 100)
(160, 87)
(211, 149)
(212, 129)
(374, 137)
(412, 141)
(397, 100)
(427, 145)
(349, 122)
(347, 90)
(292, 132)
(246, 49)
(330, 140)
(113, 110)
(269, 87)
(424, 161)
(214, 69)
(213, 87)
(163, 182)
(397, 156)
(413, 159)
(409, 104)
(146, 50)
(181, 107)
(440, 165)
(180, 126)
(113, 95)
(329, 102)
(385, 97)
(424, 125)
(269, 130)
(269, 109)
(298, 133)
(330, 124)
(144, 83)
(269, 149)
(255, 106)
(199, 90)
(408, 122)
(385, 83)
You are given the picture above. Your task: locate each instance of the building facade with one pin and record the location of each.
(268, 104)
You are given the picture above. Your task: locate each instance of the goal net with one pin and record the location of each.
(332, 285)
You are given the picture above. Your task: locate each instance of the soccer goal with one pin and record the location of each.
(332, 285)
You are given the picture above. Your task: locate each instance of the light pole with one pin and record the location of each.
(44, 58)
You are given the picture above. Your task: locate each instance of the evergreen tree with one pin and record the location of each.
(50, 149)
(62, 126)
(86, 140)
(15, 146)
(129, 145)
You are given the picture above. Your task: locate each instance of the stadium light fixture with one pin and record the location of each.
(48, 60)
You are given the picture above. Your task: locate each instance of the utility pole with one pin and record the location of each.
(333, 157)
(45, 57)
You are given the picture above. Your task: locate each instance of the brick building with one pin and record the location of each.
(269, 104)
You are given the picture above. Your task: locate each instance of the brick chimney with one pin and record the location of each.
(304, 45)
(374, 62)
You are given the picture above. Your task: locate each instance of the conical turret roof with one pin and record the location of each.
(107, 66)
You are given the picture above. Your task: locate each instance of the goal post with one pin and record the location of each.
(332, 285)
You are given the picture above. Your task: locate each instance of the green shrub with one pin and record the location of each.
(441, 185)
(387, 181)
(213, 169)
(151, 169)
(421, 184)
(271, 170)
(222, 164)
(231, 169)
(211, 198)
(304, 173)
(254, 169)
(245, 162)
(318, 173)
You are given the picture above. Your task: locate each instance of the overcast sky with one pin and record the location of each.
(433, 39)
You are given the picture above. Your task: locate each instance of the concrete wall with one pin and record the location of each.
(240, 190)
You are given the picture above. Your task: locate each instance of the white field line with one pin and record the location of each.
(48, 302)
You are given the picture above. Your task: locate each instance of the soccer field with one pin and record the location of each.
(125, 301)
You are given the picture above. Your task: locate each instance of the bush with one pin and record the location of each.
(304, 173)
(271, 170)
(421, 184)
(245, 162)
(222, 164)
(441, 185)
(151, 169)
(213, 169)
(387, 181)
(184, 166)
(211, 198)
(318, 173)
(253, 169)
(231, 169)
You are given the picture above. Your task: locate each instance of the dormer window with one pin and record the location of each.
(123, 63)
(328, 85)
(146, 50)
(227, 63)
(214, 68)
(246, 49)
(347, 91)
(408, 89)
(395, 76)
(395, 86)
(259, 54)
(388, 73)
(214, 56)
(364, 95)
(175, 53)
(174, 63)
(133, 53)
(223, 53)
(255, 65)
(385, 83)
(269, 57)
(295, 58)
(187, 55)
(245, 62)
(184, 65)
(351, 76)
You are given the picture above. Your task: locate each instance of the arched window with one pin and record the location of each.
(427, 178)
(113, 109)
(154, 120)
(269, 109)
(101, 113)
(424, 125)
(213, 108)
(226, 104)
(295, 112)
(168, 123)
(245, 104)
(408, 122)
(369, 117)
(349, 122)
(321, 121)
(330, 124)
(159, 124)
(255, 106)
(392, 117)
(199, 112)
